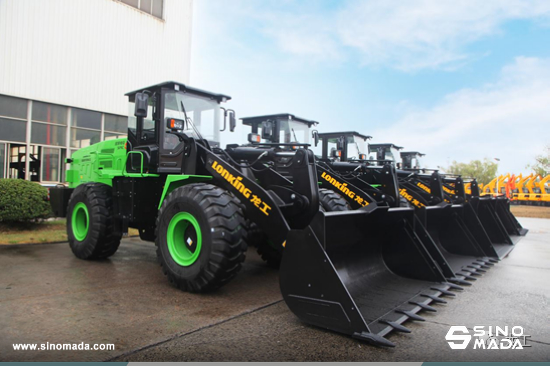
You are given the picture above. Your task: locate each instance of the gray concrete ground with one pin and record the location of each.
(47, 295)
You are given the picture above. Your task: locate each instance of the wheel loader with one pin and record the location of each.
(459, 254)
(471, 225)
(362, 273)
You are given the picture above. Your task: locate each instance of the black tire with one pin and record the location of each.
(332, 201)
(219, 217)
(99, 241)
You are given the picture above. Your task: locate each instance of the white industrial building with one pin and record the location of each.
(65, 66)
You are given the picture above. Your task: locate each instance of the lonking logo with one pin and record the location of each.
(487, 337)
(343, 187)
(449, 191)
(403, 192)
(241, 188)
(424, 187)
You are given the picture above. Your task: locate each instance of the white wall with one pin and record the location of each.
(89, 53)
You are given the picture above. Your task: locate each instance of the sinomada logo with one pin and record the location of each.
(487, 337)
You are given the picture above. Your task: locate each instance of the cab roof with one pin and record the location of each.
(184, 88)
(405, 153)
(386, 145)
(249, 121)
(345, 133)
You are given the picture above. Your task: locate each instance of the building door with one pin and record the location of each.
(16, 159)
(16, 162)
(51, 164)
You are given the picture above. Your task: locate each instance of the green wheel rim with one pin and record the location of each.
(184, 239)
(80, 221)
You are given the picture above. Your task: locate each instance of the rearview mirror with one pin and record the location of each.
(267, 130)
(340, 144)
(141, 105)
(315, 135)
(232, 120)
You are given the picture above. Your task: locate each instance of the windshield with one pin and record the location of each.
(356, 147)
(292, 131)
(203, 113)
(416, 162)
(392, 154)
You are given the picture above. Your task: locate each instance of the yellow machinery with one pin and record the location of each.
(531, 189)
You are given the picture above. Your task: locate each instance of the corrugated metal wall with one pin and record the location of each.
(88, 53)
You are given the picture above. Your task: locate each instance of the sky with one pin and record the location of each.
(458, 81)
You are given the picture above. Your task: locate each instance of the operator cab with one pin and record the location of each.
(384, 153)
(411, 159)
(163, 121)
(282, 129)
(342, 146)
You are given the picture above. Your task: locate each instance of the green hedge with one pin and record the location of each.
(23, 201)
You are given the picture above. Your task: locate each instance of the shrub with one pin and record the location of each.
(23, 201)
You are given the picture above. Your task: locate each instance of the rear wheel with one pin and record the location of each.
(200, 237)
(90, 222)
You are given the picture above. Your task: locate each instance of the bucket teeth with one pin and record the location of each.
(477, 269)
(444, 292)
(411, 315)
(454, 286)
(473, 272)
(467, 277)
(423, 306)
(459, 281)
(396, 326)
(374, 339)
(494, 260)
(435, 299)
(484, 264)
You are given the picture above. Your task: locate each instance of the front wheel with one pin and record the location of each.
(200, 237)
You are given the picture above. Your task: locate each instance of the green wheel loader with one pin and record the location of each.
(362, 273)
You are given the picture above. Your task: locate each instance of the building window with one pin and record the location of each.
(12, 130)
(47, 134)
(83, 138)
(48, 124)
(86, 119)
(50, 113)
(153, 7)
(115, 126)
(116, 123)
(13, 107)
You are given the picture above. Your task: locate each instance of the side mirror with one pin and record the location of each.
(340, 144)
(267, 130)
(141, 105)
(232, 120)
(380, 154)
(315, 135)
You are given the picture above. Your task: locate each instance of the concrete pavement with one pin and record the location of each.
(47, 295)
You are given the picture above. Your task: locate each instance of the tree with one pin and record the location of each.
(484, 171)
(542, 163)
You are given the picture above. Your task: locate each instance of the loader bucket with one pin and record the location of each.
(511, 224)
(361, 273)
(460, 248)
(487, 210)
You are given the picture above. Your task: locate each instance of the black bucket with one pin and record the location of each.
(499, 223)
(448, 228)
(362, 273)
